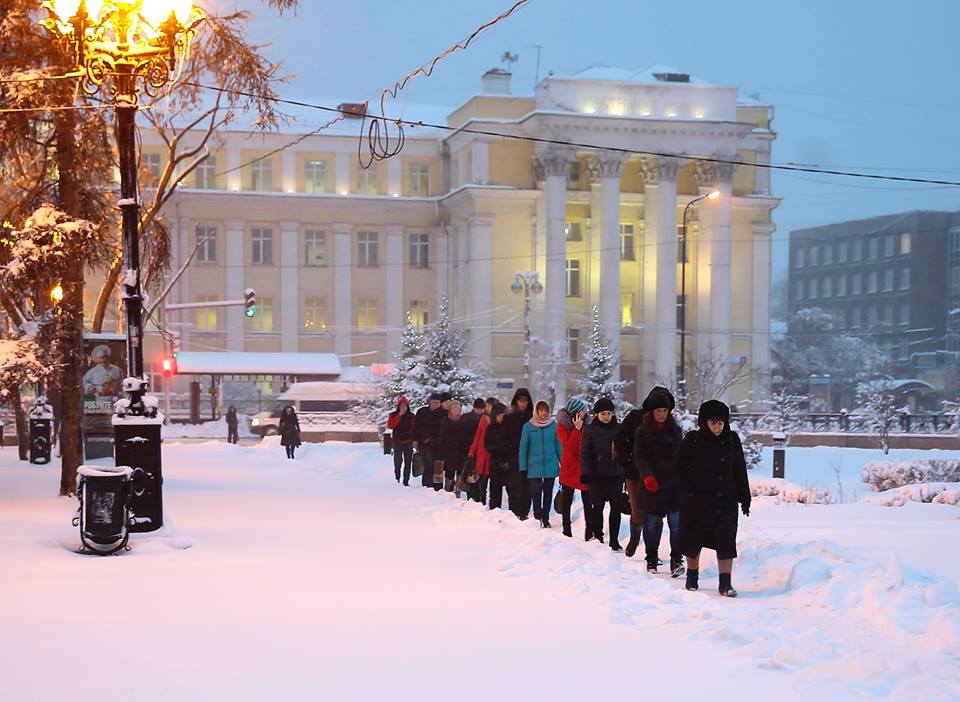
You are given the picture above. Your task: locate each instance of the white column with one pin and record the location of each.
(607, 167)
(481, 163)
(184, 248)
(461, 232)
(395, 302)
(234, 172)
(762, 186)
(481, 287)
(394, 176)
(288, 166)
(342, 173)
(760, 319)
(236, 262)
(441, 261)
(342, 288)
(289, 286)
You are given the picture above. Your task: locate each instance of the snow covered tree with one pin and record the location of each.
(443, 349)
(598, 365)
(550, 369)
(782, 412)
(878, 397)
(408, 377)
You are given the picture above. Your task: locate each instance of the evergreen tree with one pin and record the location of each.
(598, 365)
(408, 377)
(442, 371)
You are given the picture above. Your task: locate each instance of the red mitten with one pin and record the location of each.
(650, 483)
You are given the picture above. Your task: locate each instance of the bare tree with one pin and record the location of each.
(712, 375)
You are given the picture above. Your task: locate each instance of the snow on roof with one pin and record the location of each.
(251, 363)
(629, 75)
(330, 390)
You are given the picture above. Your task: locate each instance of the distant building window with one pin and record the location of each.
(842, 252)
(827, 287)
(627, 244)
(874, 248)
(206, 317)
(798, 290)
(314, 248)
(814, 256)
(315, 314)
(888, 314)
(905, 243)
(840, 285)
(263, 320)
(573, 277)
(367, 314)
(315, 176)
(368, 245)
(857, 246)
(573, 345)
(827, 254)
(888, 242)
(368, 180)
(856, 286)
(574, 173)
(419, 250)
(152, 162)
(420, 314)
(261, 175)
(872, 317)
(888, 280)
(626, 309)
(206, 243)
(904, 313)
(573, 231)
(812, 289)
(872, 282)
(904, 278)
(799, 257)
(262, 254)
(206, 173)
(856, 318)
(420, 179)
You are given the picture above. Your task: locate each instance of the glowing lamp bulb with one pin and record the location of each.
(713, 195)
(57, 293)
(65, 9)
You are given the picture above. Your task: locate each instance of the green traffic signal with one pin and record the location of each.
(251, 311)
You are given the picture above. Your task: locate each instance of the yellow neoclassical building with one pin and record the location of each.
(338, 254)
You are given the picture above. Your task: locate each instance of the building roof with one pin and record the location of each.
(620, 74)
(257, 363)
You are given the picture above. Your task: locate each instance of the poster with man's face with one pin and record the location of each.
(103, 379)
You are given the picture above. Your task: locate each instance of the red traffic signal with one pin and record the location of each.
(169, 366)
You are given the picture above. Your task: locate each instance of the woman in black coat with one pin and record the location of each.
(712, 477)
(289, 430)
(654, 446)
(453, 445)
(232, 425)
(601, 472)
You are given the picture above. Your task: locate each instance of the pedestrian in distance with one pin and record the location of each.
(426, 431)
(623, 446)
(654, 448)
(712, 477)
(540, 454)
(570, 422)
(289, 430)
(481, 456)
(233, 435)
(400, 422)
(601, 472)
(498, 467)
(456, 435)
(521, 411)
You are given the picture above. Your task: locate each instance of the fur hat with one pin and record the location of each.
(659, 398)
(713, 409)
(604, 404)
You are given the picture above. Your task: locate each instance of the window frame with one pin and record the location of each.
(418, 251)
(368, 242)
(573, 274)
(257, 241)
(311, 238)
(310, 182)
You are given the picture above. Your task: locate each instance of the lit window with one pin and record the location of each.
(905, 243)
(419, 179)
(315, 176)
(206, 317)
(419, 314)
(315, 314)
(419, 250)
(262, 241)
(573, 231)
(262, 321)
(368, 180)
(627, 243)
(314, 248)
(261, 174)
(206, 243)
(573, 277)
(368, 245)
(367, 315)
(626, 309)
(152, 163)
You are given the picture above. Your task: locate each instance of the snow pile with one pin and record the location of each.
(886, 475)
(207, 430)
(935, 493)
(785, 492)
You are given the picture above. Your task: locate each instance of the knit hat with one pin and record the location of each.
(604, 404)
(403, 400)
(479, 403)
(659, 398)
(575, 406)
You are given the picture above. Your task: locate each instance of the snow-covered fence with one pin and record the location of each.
(887, 475)
(849, 423)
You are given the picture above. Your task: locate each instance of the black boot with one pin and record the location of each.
(615, 544)
(636, 533)
(567, 531)
(726, 589)
(693, 579)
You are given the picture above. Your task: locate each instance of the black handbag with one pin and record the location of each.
(417, 465)
(625, 504)
(560, 502)
(387, 444)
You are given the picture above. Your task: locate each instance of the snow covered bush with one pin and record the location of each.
(788, 492)
(935, 493)
(887, 475)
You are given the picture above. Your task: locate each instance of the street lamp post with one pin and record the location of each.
(682, 371)
(528, 283)
(121, 43)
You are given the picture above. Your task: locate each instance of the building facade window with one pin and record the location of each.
(842, 251)
(262, 253)
(573, 277)
(263, 320)
(826, 287)
(314, 248)
(261, 175)
(419, 252)
(873, 248)
(573, 345)
(799, 256)
(315, 176)
(206, 173)
(857, 249)
(574, 174)
(906, 243)
(812, 289)
(840, 285)
(814, 256)
(152, 162)
(419, 179)
(626, 309)
(827, 254)
(888, 242)
(573, 231)
(798, 290)
(368, 180)
(856, 285)
(206, 317)
(420, 314)
(368, 249)
(856, 318)
(628, 249)
(888, 280)
(904, 278)
(314, 314)
(904, 313)
(206, 243)
(872, 282)
(367, 314)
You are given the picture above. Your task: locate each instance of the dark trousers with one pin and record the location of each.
(603, 492)
(402, 453)
(290, 449)
(232, 435)
(478, 492)
(426, 478)
(653, 530)
(588, 510)
(499, 479)
(520, 494)
(541, 494)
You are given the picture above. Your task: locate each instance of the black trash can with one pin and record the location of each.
(40, 440)
(137, 443)
(104, 513)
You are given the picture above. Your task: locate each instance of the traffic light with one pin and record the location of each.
(168, 367)
(249, 302)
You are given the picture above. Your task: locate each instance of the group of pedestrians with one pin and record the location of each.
(641, 465)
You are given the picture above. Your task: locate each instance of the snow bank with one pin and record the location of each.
(929, 493)
(885, 475)
(206, 430)
(788, 492)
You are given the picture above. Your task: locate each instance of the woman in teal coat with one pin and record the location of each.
(540, 452)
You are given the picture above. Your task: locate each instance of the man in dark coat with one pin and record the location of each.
(712, 476)
(453, 444)
(623, 447)
(508, 451)
(601, 472)
(400, 423)
(491, 442)
(232, 425)
(426, 429)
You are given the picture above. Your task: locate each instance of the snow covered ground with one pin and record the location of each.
(323, 578)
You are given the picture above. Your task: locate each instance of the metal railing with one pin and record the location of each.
(842, 422)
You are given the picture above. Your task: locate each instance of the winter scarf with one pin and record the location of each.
(541, 423)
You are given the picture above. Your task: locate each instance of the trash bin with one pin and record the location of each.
(104, 513)
(40, 418)
(387, 443)
(779, 454)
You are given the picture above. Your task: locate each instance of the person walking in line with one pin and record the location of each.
(499, 472)
(481, 457)
(712, 477)
(654, 447)
(289, 430)
(540, 454)
(521, 411)
(473, 417)
(233, 435)
(400, 423)
(426, 431)
(601, 472)
(570, 421)
(454, 441)
(623, 445)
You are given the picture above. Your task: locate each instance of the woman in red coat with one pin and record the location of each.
(570, 422)
(478, 452)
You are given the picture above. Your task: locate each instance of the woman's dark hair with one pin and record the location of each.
(671, 420)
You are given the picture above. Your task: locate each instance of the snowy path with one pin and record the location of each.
(322, 578)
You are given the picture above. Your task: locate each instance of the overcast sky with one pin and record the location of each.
(855, 84)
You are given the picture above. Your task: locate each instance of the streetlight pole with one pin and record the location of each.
(528, 283)
(682, 371)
